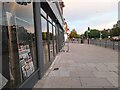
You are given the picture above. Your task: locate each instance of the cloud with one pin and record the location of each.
(102, 26)
(83, 13)
(85, 10)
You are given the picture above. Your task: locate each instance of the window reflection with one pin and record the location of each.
(0, 46)
(19, 48)
(45, 40)
(51, 41)
(43, 13)
(61, 38)
(26, 47)
(50, 20)
(54, 37)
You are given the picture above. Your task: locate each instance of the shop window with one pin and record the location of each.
(55, 38)
(45, 40)
(54, 23)
(19, 39)
(0, 48)
(50, 20)
(51, 41)
(26, 47)
(61, 38)
(43, 13)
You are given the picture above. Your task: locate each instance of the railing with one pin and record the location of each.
(115, 45)
(106, 43)
(75, 41)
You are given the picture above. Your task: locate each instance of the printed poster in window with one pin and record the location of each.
(26, 61)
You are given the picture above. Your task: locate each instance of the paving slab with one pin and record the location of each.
(75, 82)
(105, 74)
(62, 82)
(102, 67)
(87, 69)
(95, 82)
(91, 64)
(65, 73)
(48, 82)
(84, 66)
(82, 74)
(54, 73)
(113, 80)
(72, 68)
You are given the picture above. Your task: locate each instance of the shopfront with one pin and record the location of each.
(49, 37)
(18, 43)
(27, 48)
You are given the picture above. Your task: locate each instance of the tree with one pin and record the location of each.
(115, 32)
(105, 33)
(78, 36)
(93, 33)
(73, 34)
(44, 35)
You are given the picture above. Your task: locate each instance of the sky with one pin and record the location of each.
(96, 14)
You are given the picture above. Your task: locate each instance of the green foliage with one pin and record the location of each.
(78, 36)
(85, 34)
(51, 36)
(44, 35)
(73, 34)
(105, 34)
(93, 33)
(115, 32)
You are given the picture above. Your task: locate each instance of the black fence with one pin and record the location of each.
(106, 43)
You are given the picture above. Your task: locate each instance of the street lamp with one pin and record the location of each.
(88, 31)
(109, 37)
(87, 34)
(100, 35)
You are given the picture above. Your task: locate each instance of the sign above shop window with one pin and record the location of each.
(23, 2)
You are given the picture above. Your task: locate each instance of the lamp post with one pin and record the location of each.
(100, 35)
(109, 36)
(87, 34)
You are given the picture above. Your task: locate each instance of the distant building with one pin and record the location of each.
(66, 27)
(61, 5)
(66, 34)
